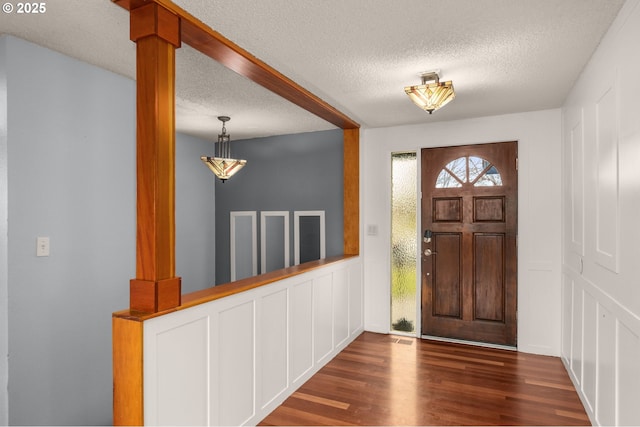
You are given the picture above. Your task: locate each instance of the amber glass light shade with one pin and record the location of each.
(222, 165)
(431, 96)
(223, 168)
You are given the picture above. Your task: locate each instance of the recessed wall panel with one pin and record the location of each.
(340, 307)
(577, 187)
(606, 381)
(273, 345)
(588, 384)
(567, 304)
(236, 357)
(323, 317)
(628, 377)
(355, 299)
(301, 323)
(182, 382)
(607, 218)
(576, 334)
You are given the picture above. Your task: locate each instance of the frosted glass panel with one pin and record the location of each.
(404, 241)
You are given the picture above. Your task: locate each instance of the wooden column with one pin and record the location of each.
(156, 32)
(351, 164)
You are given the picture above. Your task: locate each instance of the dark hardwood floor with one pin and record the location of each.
(393, 380)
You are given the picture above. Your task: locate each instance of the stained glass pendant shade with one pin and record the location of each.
(223, 165)
(431, 96)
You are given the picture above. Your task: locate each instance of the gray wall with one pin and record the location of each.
(283, 173)
(4, 307)
(71, 177)
(195, 215)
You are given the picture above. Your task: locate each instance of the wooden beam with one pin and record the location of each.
(213, 44)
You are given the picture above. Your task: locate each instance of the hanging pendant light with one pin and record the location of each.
(222, 165)
(431, 96)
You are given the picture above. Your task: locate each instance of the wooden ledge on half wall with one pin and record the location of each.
(220, 291)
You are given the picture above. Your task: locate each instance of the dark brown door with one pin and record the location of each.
(469, 254)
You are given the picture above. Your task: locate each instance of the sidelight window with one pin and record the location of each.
(404, 242)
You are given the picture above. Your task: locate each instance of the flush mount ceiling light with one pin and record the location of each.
(223, 165)
(431, 96)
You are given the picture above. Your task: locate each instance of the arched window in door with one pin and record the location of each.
(470, 170)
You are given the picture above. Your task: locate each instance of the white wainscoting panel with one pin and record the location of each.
(590, 349)
(301, 309)
(322, 317)
(236, 368)
(628, 354)
(576, 338)
(340, 307)
(274, 345)
(184, 345)
(234, 360)
(356, 301)
(606, 369)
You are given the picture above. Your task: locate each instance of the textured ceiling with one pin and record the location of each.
(503, 56)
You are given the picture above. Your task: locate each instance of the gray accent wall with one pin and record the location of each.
(67, 156)
(283, 173)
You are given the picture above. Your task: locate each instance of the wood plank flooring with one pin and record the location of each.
(392, 380)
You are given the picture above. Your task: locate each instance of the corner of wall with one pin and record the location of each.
(4, 299)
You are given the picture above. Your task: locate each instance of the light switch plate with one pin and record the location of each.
(42, 246)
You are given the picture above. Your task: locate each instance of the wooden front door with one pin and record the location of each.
(469, 254)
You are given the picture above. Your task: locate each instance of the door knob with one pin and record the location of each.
(428, 252)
